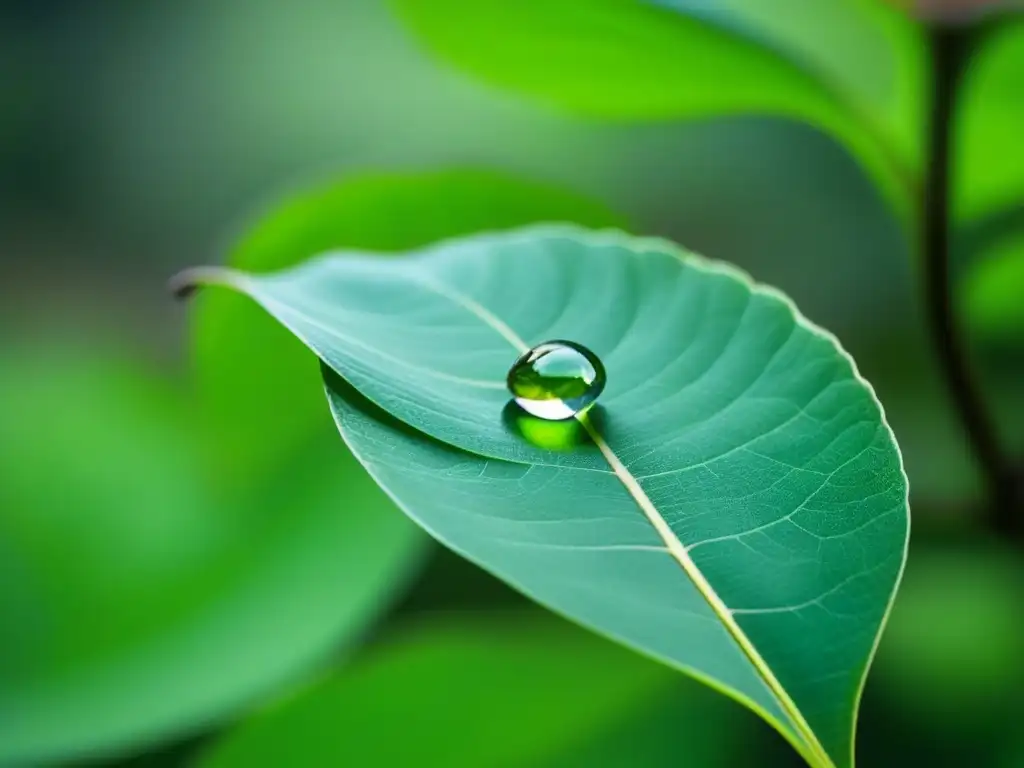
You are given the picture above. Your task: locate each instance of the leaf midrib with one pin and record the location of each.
(811, 747)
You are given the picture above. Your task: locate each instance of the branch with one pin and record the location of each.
(951, 50)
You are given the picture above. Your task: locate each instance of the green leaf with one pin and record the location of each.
(853, 68)
(736, 506)
(684, 726)
(988, 177)
(236, 342)
(864, 52)
(992, 290)
(505, 690)
(952, 651)
(139, 598)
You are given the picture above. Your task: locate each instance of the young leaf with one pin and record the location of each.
(735, 507)
(513, 690)
(852, 68)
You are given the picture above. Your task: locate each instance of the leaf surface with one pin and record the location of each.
(234, 341)
(736, 506)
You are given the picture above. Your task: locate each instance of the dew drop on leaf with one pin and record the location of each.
(556, 380)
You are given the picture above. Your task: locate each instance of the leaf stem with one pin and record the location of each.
(951, 48)
(188, 281)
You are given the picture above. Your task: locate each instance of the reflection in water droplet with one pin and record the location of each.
(556, 380)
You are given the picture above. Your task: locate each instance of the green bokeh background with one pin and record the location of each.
(186, 548)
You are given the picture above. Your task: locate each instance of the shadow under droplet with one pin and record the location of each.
(564, 435)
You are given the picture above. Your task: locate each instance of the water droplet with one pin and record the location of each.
(556, 380)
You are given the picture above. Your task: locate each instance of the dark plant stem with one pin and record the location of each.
(951, 50)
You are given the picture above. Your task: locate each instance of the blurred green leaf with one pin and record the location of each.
(224, 556)
(236, 342)
(854, 68)
(513, 690)
(138, 598)
(690, 726)
(776, 461)
(989, 176)
(1013, 755)
(952, 650)
(862, 51)
(993, 292)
